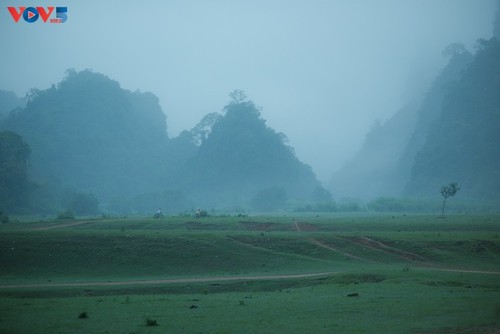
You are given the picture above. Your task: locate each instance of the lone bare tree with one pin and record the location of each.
(448, 191)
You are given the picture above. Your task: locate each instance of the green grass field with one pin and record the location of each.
(261, 274)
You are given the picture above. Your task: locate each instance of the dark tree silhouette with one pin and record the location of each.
(240, 156)
(448, 191)
(496, 23)
(14, 182)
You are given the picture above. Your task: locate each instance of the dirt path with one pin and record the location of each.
(372, 244)
(351, 256)
(53, 227)
(464, 271)
(362, 241)
(402, 254)
(381, 247)
(333, 249)
(218, 279)
(169, 281)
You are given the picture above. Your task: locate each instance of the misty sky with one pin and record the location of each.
(323, 71)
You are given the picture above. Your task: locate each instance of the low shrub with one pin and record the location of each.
(151, 322)
(66, 214)
(3, 218)
(83, 315)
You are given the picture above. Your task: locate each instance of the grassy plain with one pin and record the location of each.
(376, 274)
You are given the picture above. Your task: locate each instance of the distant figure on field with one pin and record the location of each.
(158, 214)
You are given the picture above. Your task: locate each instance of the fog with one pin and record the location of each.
(322, 71)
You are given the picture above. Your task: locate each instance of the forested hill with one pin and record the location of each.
(463, 144)
(242, 157)
(382, 166)
(8, 102)
(89, 134)
(454, 137)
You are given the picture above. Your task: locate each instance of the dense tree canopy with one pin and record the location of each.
(14, 181)
(93, 142)
(89, 134)
(8, 102)
(241, 156)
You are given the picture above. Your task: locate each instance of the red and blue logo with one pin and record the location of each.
(32, 14)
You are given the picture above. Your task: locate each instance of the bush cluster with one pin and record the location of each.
(3, 218)
(66, 214)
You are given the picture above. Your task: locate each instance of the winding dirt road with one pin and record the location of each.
(170, 281)
(371, 243)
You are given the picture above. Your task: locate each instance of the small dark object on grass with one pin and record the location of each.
(83, 315)
(355, 294)
(151, 322)
(193, 306)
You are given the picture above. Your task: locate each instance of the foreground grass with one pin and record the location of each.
(388, 275)
(384, 302)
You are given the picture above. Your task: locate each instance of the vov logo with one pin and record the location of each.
(32, 14)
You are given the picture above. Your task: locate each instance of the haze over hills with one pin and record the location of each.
(462, 144)
(329, 67)
(88, 140)
(243, 156)
(8, 102)
(383, 166)
(373, 171)
(453, 138)
(89, 135)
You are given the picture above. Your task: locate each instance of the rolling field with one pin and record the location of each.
(260, 274)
